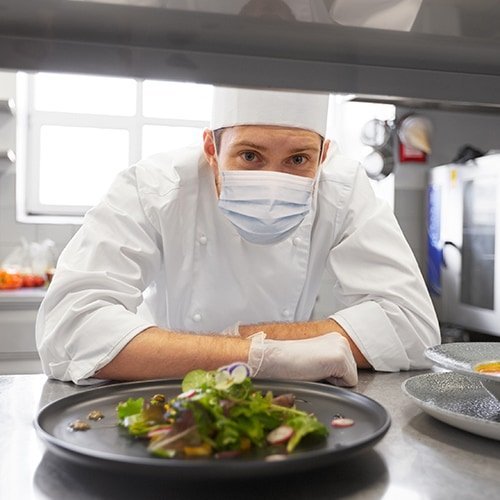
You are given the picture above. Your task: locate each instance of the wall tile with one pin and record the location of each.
(12, 231)
(8, 187)
(409, 203)
(59, 233)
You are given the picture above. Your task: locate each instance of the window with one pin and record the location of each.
(76, 132)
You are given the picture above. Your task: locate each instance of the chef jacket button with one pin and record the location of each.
(197, 317)
(285, 313)
(296, 241)
(203, 240)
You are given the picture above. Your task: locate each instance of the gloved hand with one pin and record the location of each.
(326, 357)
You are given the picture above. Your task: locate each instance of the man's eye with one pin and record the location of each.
(298, 160)
(249, 156)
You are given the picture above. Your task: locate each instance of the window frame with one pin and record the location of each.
(29, 125)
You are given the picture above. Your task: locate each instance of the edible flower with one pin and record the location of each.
(235, 373)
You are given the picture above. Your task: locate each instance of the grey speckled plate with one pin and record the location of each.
(461, 357)
(457, 400)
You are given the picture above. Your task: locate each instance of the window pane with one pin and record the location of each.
(77, 164)
(85, 94)
(184, 101)
(477, 279)
(156, 138)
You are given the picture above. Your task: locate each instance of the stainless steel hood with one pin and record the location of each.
(450, 53)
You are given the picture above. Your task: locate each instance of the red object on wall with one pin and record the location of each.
(411, 155)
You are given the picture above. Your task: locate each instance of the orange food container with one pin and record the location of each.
(10, 281)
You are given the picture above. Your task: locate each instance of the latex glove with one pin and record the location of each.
(326, 357)
(232, 331)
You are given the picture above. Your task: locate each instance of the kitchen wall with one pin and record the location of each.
(17, 314)
(12, 231)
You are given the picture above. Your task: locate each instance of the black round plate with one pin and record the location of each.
(107, 445)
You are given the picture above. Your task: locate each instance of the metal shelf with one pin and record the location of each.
(428, 63)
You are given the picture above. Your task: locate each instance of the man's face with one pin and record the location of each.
(266, 148)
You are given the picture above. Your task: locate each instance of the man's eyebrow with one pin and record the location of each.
(305, 147)
(253, 145)
(248, 144)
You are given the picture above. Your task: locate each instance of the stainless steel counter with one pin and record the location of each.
(22, 298)
(419, 458)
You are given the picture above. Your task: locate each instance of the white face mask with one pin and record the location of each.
(265, 206)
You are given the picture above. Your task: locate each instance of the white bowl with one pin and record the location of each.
(462, 357)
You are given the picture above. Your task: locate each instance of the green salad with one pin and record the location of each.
(219, 414)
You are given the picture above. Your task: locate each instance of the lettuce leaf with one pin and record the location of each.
(130, 407)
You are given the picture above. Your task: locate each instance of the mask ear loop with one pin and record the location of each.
(218, 180)
(316, 177)
(214, 140)
(320, 162)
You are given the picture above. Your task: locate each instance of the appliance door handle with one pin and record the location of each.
(451, 244)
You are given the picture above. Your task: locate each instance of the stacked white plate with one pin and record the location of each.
(462, 397)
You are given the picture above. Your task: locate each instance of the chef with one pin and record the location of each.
(214, 254)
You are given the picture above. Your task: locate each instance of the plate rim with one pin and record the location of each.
(73, 452)
(456, 366)
(426, 405)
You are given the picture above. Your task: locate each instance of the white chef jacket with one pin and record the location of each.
(158, 251)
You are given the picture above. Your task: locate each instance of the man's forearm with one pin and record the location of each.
(156, 353)
(306, 330)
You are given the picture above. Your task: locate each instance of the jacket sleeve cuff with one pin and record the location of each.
(374, 335)
(81, 371)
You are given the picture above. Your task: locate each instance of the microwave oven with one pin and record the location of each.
(463, 242)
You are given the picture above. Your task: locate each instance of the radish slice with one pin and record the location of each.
(162, 443)
(342, 422)
(160, 431)
(187, 395)
(280, 435)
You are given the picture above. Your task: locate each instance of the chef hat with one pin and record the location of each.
(305, 110)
